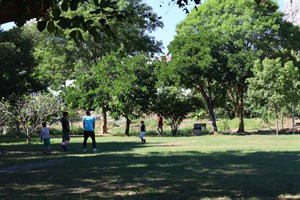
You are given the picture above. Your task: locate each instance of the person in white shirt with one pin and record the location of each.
(45, 136)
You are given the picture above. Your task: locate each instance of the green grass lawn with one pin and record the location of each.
(203, 167)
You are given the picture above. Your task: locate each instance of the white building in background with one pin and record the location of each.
(292, 11)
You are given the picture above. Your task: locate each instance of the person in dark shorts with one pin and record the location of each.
(89, 130)
(143, 132)
(65, 129)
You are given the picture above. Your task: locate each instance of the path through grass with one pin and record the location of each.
(204, 167)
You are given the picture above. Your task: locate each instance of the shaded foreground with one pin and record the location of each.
(207, 167)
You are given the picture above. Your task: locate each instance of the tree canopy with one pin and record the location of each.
(50, 13)
(17, 64)
(216, 46)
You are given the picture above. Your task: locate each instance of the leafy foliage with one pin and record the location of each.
(61, 58)
(133, 89)
(5, 113)
(275, 84)
(17, 65)
(216, 46)
(175, 105)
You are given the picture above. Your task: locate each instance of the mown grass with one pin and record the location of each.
(203, 167)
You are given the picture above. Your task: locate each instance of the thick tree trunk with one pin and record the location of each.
(104, 124)
(212, 117)
(174, 127)
(241, 111)
(128, 122)
(210, 105)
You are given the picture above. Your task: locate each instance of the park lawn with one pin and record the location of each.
(203, 167)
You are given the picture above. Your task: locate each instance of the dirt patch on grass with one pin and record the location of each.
(30, 166)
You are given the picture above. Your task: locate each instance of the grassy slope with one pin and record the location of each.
(205, 167)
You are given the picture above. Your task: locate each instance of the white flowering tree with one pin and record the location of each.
(5, 114)
(31, 110)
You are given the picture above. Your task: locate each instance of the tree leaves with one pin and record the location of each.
(76, 34)
(56, 12)
(64, 22)
(74, 5)
(41, 25)
(50, 26)
(65, 5)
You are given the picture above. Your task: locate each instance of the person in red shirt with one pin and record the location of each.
(159, 124)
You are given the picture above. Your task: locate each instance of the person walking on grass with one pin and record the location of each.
(159, 124)
(65, 131)
(45, 136)
(89, 130)
(143, 132)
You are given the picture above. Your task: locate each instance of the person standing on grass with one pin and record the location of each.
(89, 130)
(45, 136)
(65, 130)
(143, 132)
(159, 124)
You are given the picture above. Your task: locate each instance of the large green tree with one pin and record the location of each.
(123, 85)
(17, 65)
(22, 10)
(133, 88)
(60, 57)
(92, 90)
(52, 11)
(130, 38)
(198, 63)
(222, 40)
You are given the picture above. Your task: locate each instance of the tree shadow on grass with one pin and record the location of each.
(117, 173)
(22, 154)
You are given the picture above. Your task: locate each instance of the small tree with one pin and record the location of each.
(32, 110)
(5, 114)
(175, 104)
(274, 86)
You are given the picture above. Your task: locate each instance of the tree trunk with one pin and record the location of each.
(276, 125)
(17, 129)
(104, 125)
(241, 111)
(212, 117)
(174, 127)
(27, 135)
(293, 119)
(210, 105)
(282, 118)
(128, 122)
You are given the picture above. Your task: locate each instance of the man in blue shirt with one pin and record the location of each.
(89, 127)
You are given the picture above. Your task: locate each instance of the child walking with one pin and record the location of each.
(45, 136)
(64, 145)
(143, 131)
